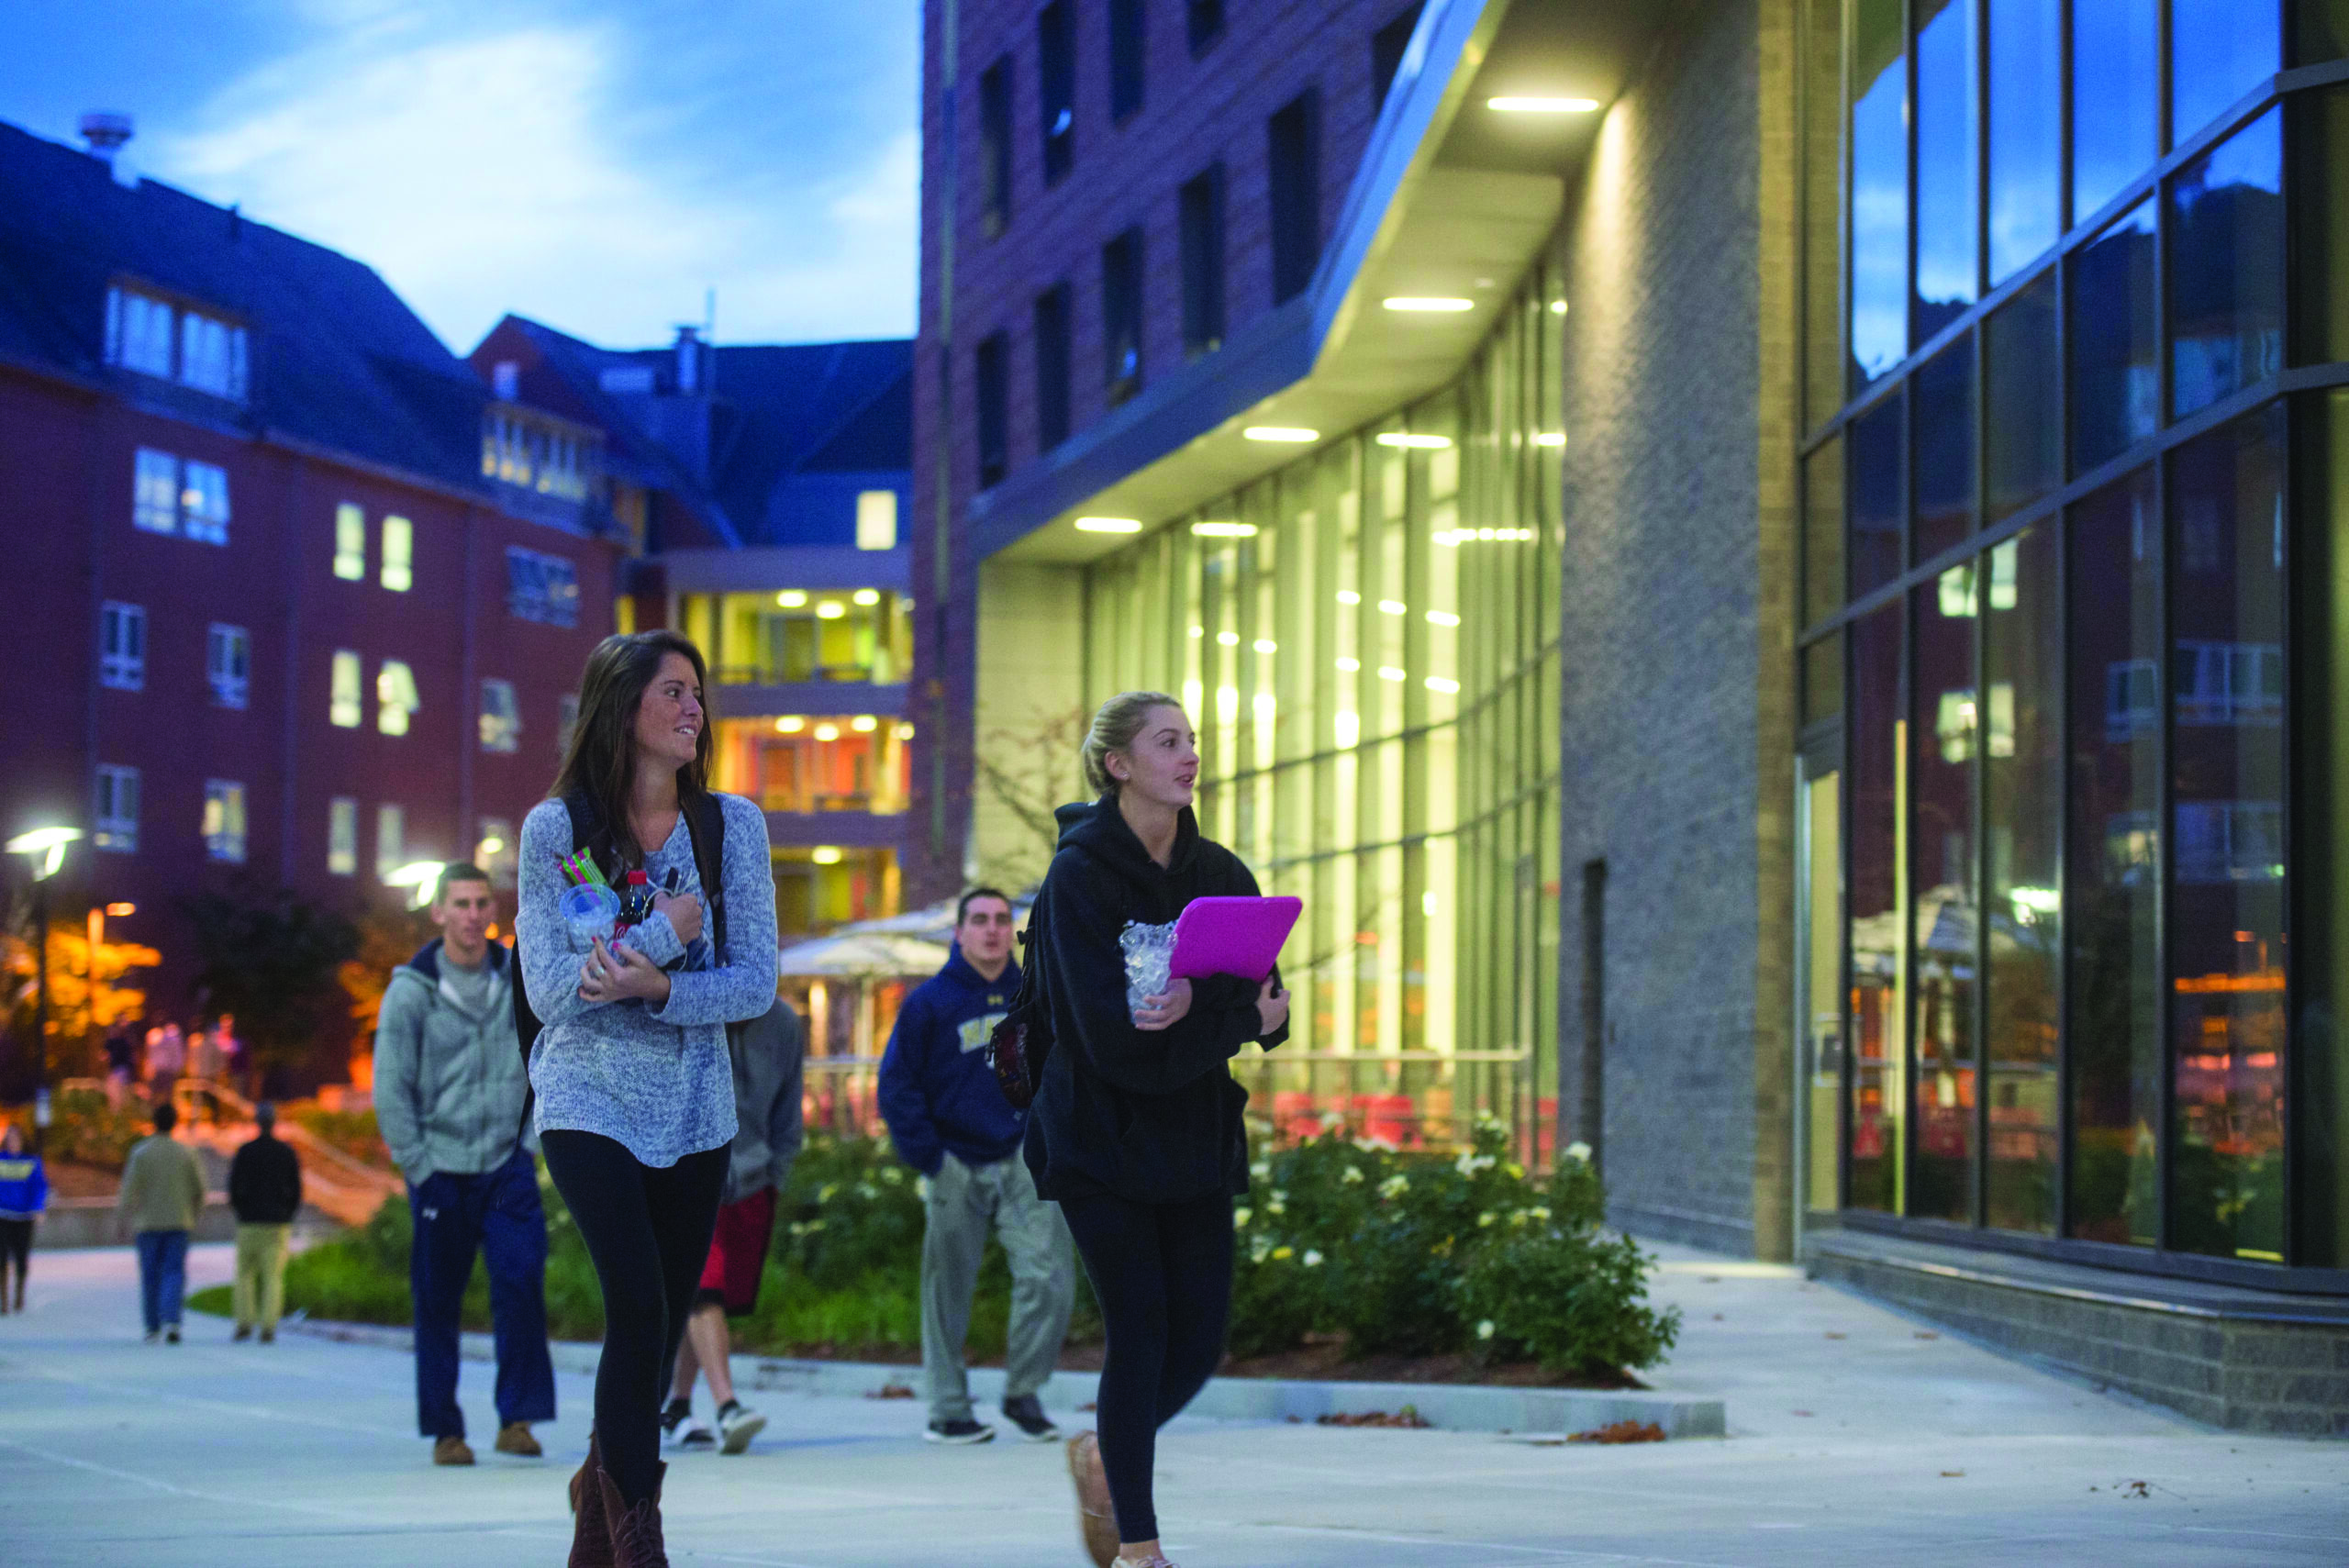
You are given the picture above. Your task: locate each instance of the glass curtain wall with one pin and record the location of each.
(2071, 417)
(1367, 641)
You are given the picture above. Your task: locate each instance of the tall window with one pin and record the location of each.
(1294, 138)
(391, 840)
(224, 820)
(155, 493)
(114, 812)
(1122, 316)
(993, 364)
(995, 147)
(1056, 76)
(139, 332)
(229, 664)
(1129, 41)
(351, 542)
(343, 696)
(876, 520)
(1387, 47)
(122, 646)
(395, 698)
(203, 351)
(543, 588)
(1053, 366)
(1202, 219)
(501, 717)
(342, 836)
(400, 554)
(1203, 19)
(204, 503)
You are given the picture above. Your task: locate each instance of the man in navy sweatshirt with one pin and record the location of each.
(952, 1124)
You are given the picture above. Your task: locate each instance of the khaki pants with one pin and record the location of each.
(963, 1201)
(260, 1276)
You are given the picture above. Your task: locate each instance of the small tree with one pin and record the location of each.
(275, 963)
(1026, 771)
(81, 1004)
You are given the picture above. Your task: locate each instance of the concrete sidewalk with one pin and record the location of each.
(1856, 1440)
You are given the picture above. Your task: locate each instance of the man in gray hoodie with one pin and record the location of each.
(450, 1089)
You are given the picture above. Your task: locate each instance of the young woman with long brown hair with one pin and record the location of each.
(635, 1090)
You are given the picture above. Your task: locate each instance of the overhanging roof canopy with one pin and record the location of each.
(1452, 200)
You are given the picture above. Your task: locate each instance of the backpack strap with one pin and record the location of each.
(706, 826)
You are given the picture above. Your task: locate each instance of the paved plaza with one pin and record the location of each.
(1856, 1437)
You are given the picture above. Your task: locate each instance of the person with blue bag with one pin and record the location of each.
(24, 1194)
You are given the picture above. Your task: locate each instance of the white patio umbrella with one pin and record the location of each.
(864, 955)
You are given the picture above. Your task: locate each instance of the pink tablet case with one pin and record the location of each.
(1232, 936)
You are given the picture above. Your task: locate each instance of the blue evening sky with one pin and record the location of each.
(596, 164)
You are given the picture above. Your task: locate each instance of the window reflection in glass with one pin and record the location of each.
(1822, 984)
(2116, 108)
(2219, 49)
(2023, 446)
(2112, 856)
(1878, 1030)
(1947, 102)
(2320, 145)
(2022, 811)
(2226, 924)
(2320, 842)
(2226, 257)
(1874, 495)
(2026, 55)
(1878, 138)
(1943, 394)
(1944, 734)
(2116, 368)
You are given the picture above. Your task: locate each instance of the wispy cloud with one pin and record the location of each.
(546, 166)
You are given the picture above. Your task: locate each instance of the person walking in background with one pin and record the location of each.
(166, 1059)
(1136, 1129)
(952, 1124)
(450, 1093)
(204, 1057)
(161, 1198)
(768, 1054)
(122, 1058)
(635, 1090)
(24, 1194)
(265, 1192)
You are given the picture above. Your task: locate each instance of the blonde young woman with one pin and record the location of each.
(1136, 1127)
(635, 1089)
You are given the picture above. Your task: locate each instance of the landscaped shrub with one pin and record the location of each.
(87, 1131)
(354, 1132)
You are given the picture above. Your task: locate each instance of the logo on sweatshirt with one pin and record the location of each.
(975, 1032)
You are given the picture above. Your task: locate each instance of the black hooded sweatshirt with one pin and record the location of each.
(1152, 1116)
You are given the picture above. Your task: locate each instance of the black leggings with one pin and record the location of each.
(1162, 1274)
(647, 1228)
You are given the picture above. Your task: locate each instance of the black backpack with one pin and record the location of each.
(705, 824)
(1018, 1046)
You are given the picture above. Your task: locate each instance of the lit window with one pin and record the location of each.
(204, 503)
(343, 706)
(342, 836)
(351, 542)
(543, 588)
(400, 554)
(395, 698)
(227, 663)
(116, 809)
(139, 332)
(122, 647)
(391, 840)
(501, 716)
(155, 504)
(497, 852)
(566, 722)
(876, 520)
(224, 820)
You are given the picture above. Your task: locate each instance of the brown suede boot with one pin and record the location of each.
(591, 1532)
(636, 1529)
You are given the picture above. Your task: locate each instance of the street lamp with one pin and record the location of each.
(44, 853)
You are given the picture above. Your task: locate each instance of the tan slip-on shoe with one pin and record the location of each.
(451, 1450)
(1097, 1522)
(515, 1438)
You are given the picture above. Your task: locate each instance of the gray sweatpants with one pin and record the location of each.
(963, 1200)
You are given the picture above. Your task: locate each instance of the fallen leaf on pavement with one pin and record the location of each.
(1620, 1432)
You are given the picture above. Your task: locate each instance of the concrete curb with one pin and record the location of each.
(1460, 1407)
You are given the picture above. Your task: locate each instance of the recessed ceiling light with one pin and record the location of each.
(825, 854)
(1395, 607)
(1109, 525)
(1430, 304)
(1228, 639)
(1266, 645)
(1224, 530)
(789, 724)
(1348, 596)
(864, 723)
(828, 732)
(1550, 439)
(830, 609)
(1280, 433)
(791, 599)
(1405, 439)
(1441, 684)
(1442, 618)
(1542, 106)
(866, 596)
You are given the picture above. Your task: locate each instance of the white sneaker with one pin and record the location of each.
(698, 1438)
(737, 1424)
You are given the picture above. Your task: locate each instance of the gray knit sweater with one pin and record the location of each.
(657, 1083)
